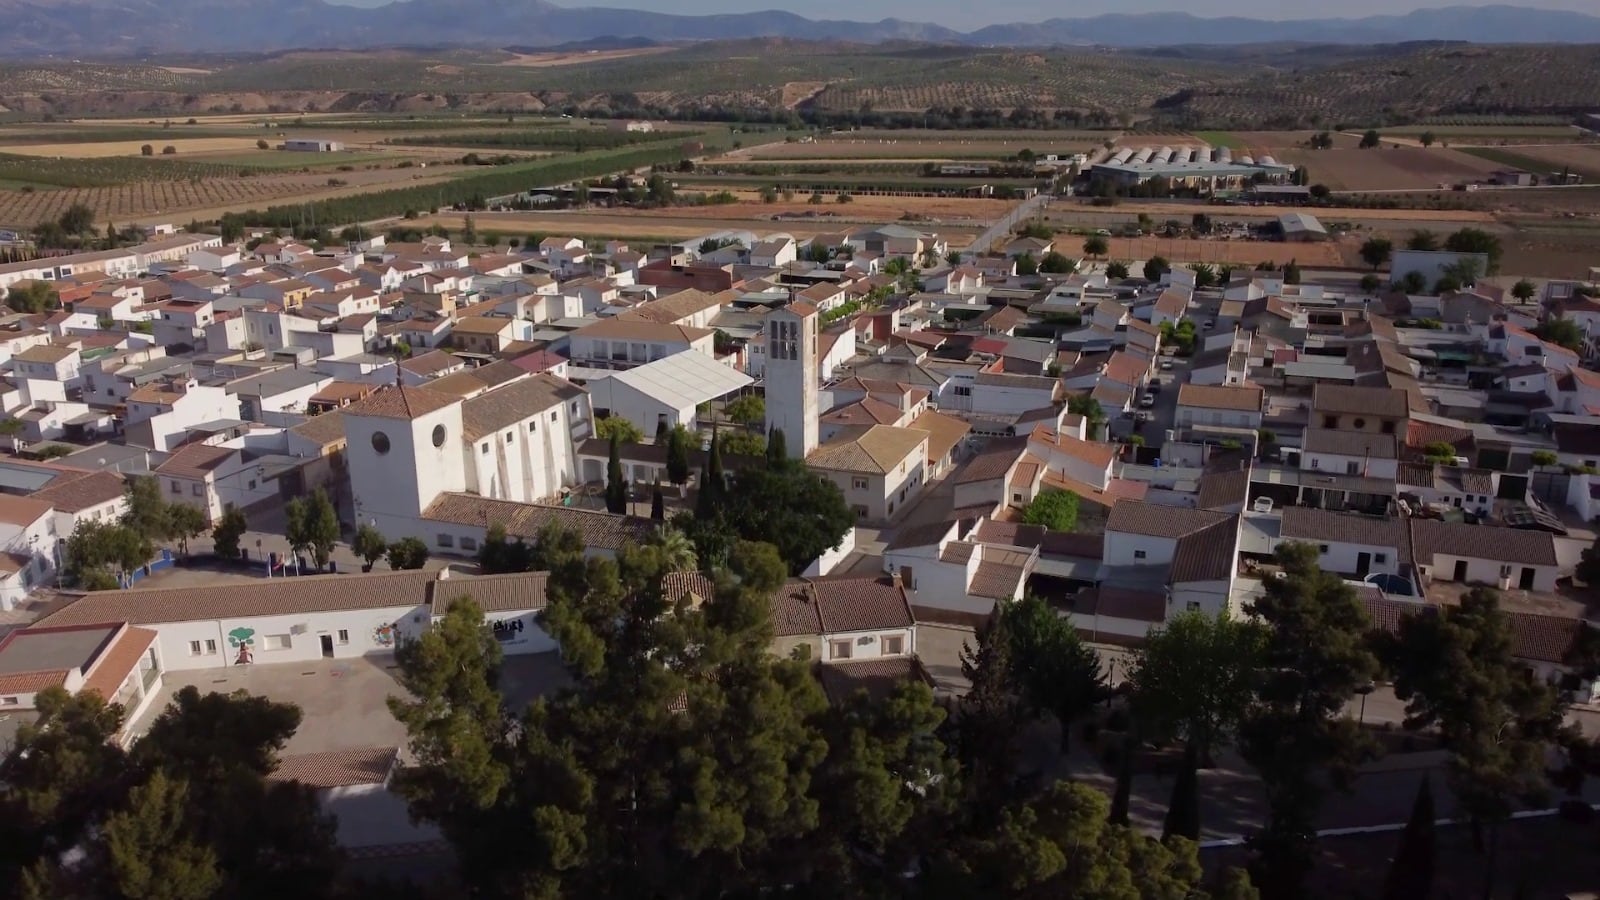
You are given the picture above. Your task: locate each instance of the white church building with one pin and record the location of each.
(412, 447)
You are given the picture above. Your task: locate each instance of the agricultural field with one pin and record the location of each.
(1579, 159)
(284, 159)
(1388, 168)
(913, 146)
(677, 224)
(102, 149)
(1463, 135)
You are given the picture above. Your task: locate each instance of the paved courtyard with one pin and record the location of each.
(345, 700)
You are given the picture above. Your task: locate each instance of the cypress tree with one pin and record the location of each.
(678, 457)
(1124, 792)
(1411, 873)
(712, 484)
(663, 433)
(1183, 813)
(616, 485)
(777, 450)
(658, 503)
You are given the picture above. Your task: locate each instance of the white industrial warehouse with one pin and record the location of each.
(1202, 167)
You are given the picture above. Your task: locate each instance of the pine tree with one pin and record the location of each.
(148, 852)
(616, 484)
(1411, 873)
(1183, 813)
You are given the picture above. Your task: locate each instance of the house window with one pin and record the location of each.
(1330, 421)
(194, 648)
(1138, 554)
(484, 448)
(1388, 428)
(1505, 571)
(859, 484)
(1322, 548)
(508, 437)
(1194, 606)
(446, 540)
(1352, 468)
(553, 416)
(344, 636)
(177, 488)
(1016, 498)
(841, 649)
(275, 642)
(469, 543)
(962, 391)
(252, 484)
(1380, 558)
(533, 426)
(892, 644)
(1316, 463)
(10, 701)
(861, 511)
(199, 490)
(574, 407)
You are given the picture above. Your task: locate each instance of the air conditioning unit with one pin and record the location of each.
(299, 629)
(1505, 582)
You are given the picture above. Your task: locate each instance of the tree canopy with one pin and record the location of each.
(187, 813)
(1055, 510)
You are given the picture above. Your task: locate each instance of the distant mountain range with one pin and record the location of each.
(83, 28)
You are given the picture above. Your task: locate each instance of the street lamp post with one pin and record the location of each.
(1364, 690)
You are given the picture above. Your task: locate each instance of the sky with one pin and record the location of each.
(968, 14)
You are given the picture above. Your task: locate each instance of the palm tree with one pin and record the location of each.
(677, 551)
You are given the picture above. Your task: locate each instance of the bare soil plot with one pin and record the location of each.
(904, 148)
(1327, 253)
(100, 149)
(625, 225)
(872, 208)
(1388, 168)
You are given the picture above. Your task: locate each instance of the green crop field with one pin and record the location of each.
(285, 160)
(1219, 139)
(111, 171)
(575, 140)
(1544, 159)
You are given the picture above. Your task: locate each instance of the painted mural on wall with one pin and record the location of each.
(385, 636)
(243, 641)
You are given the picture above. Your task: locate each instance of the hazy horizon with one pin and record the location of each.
(966, 15)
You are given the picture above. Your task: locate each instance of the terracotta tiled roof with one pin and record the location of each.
(1208, 396)
(400, 402)
(994, 462)
(1302, 523)
(513, 403)
(1342, 399)
(23, 511)
(1542, 638)
(1218, 489)
(839, 604)
(277, 596)
(874, 449)
(640, 330)
(195, 461)
(866, 411)
(1156, 520)
(1120, 603)
(677, 585)
(323, 428)
(1205, 554)
(675, 307)
(1489, 542)
(121, 658)
(598, 529)
(338, 768)
(1096, 454)
(878, 677)
(31, 682)
(999, 573)
(431, 363)
(1350, 443)
(45, 353)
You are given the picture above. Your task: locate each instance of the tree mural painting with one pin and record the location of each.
(244, 641)
(385, 635)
